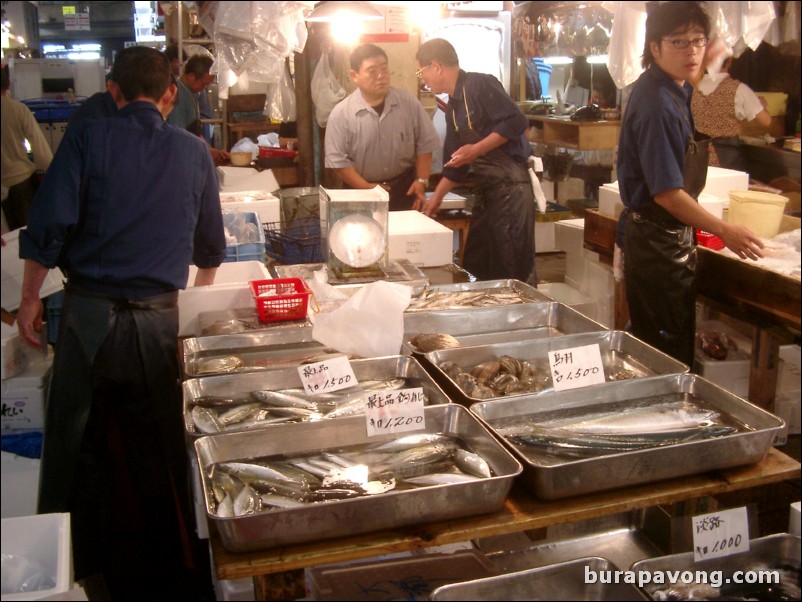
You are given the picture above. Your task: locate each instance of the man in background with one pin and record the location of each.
(380, 135)
(18, 171)
(124, 232)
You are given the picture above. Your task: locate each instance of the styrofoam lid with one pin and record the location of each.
(34, 376)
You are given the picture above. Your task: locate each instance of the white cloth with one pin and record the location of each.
(747, 103)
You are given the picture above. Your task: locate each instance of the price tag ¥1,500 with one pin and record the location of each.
(576, 367)
(328, 375)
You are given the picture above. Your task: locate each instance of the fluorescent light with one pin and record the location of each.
(326, 12)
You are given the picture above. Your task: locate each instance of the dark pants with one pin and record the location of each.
(18, 203)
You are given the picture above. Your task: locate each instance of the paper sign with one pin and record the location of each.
(395, 411)
(328, 375)
(720, 534)
(576, 367)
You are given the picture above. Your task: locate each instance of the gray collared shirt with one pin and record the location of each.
(379, 147)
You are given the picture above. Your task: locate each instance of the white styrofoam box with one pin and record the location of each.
(548, 188)
(262, 180)
(794, 526)
(544, 237)
(599, 284)
(20, 479)
(227, 175)
(265, 204)
(732, 373)
(568, 295)
(419, 239)
(789, 370)
(230, 291)
(788, 406)
(43, 539)
(610, 200)
(12, 351)
(569, 236)
(711, 204)
(24, 395)
(450, 201)
(12, 270)
(721, 181)
(232, 589)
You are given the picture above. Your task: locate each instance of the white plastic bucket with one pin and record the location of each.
(762, 212)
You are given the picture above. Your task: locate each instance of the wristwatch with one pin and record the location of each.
(424, 181)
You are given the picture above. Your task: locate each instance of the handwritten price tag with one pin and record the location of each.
(720, 534)
(395, 411)
(576, 367)
(328, 375)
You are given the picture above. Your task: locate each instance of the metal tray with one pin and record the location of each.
(359, 515)
(551, 477)
(527, 293)
(488, 325)
(238, 321)
(780, 552)
(401, 271)
(238, 386)
(259, 351)
(561, 581)
(619, 351)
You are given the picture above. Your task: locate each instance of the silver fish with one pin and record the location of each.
(225, 509)
(280, 501)
(410, 441)
(206, 421)
(424, 454)
(247, 502)
(248, 471)
(442, 478)
(472, 463)
(215, 365)
(285, 400)
(238, 413)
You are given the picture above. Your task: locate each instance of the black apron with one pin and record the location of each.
(660, 267)
(501, 238)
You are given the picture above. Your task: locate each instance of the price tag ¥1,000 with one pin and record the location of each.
(395, 411)
(328, 375)
(720, 534)
(576, 367)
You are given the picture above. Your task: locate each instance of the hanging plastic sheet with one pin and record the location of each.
(626, 41)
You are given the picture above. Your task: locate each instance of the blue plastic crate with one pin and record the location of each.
(27, 444)
(297, 243)
(247, 251)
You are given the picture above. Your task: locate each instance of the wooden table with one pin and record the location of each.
(460, 221)
(575, 135)
(278, 573)
(768, 300)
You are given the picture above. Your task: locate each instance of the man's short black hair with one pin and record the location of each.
(365, 52)
(667, 17)
(437, 49)
(142, 71)
(198, 65)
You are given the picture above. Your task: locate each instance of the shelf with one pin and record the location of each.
(575, 135)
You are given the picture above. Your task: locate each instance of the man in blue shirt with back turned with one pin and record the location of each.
(130, 201)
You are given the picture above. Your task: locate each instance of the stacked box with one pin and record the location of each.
(24, 395)
(731, 373)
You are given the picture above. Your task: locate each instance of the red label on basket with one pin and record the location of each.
(328, 375)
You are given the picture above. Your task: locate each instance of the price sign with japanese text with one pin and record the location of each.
(720, 534)
(328, 375)
(395, 411)
(576, 367)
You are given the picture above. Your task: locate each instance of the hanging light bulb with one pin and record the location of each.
(326, 12)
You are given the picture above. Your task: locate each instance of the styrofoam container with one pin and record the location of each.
(12, 271)
(760, 211)
(265, 204)
(721, 181)
(450, 201)
(569, 236)
(43, 539)
(24, 395)
(20, 480)
(610, 202)
(228, 176)
(261, 180)
(419, 239)
(544, 237)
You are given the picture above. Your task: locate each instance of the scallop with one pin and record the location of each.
(427, 342)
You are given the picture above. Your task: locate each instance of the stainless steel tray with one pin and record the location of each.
(238, 321)
(354, 516)
(258, 351)
(240, 386)
(401, 271)
(525, 293)
(488, 325)
(619, 351)
(780, 552)
(561, 581)
(552, 477)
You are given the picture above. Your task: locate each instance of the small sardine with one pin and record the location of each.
(410, 441)
(247, 502)
(472, 463)
(206, 421)
(442, 478)
(225, 509)
(238, 413)
(280, 501)
(284, 400)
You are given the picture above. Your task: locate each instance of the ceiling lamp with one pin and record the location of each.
(327, 12)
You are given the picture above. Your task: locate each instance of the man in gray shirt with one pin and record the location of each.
(380, 135)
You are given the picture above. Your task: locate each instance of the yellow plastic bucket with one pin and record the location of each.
(762, 212)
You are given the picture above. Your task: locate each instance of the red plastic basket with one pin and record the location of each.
(281, 299)
(274, 152)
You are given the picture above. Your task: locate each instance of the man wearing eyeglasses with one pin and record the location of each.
(662, 170)
(380, 135)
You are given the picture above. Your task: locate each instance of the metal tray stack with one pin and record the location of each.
(780, 552)
(619, 351)
(489, 325)
(561, 581)
(552, 477)
(240, 386)
(347, 517)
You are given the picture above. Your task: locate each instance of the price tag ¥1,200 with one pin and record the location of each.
(328, 375)
(395, 411)
(720, 534)
(576, 367)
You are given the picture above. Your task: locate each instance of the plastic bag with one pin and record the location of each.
(326, 91)
(369, 324)
(246, 144)
(281, 101)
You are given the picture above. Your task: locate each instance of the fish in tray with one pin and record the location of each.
(433, 299)
(217, 414)
(239, 488)
(615, 431)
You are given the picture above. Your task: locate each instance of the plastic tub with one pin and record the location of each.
(760, 211)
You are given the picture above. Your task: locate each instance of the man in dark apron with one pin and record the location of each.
(661, 172)
(485, 132)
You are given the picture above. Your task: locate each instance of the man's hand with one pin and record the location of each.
(29, 322)
(220, 157)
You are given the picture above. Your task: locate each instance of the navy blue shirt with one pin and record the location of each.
(491, 110)
(655, 133)
(127, 204)
(99, 105)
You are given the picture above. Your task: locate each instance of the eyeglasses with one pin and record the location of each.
(375, 72)
(681, 44)
(419, 72)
